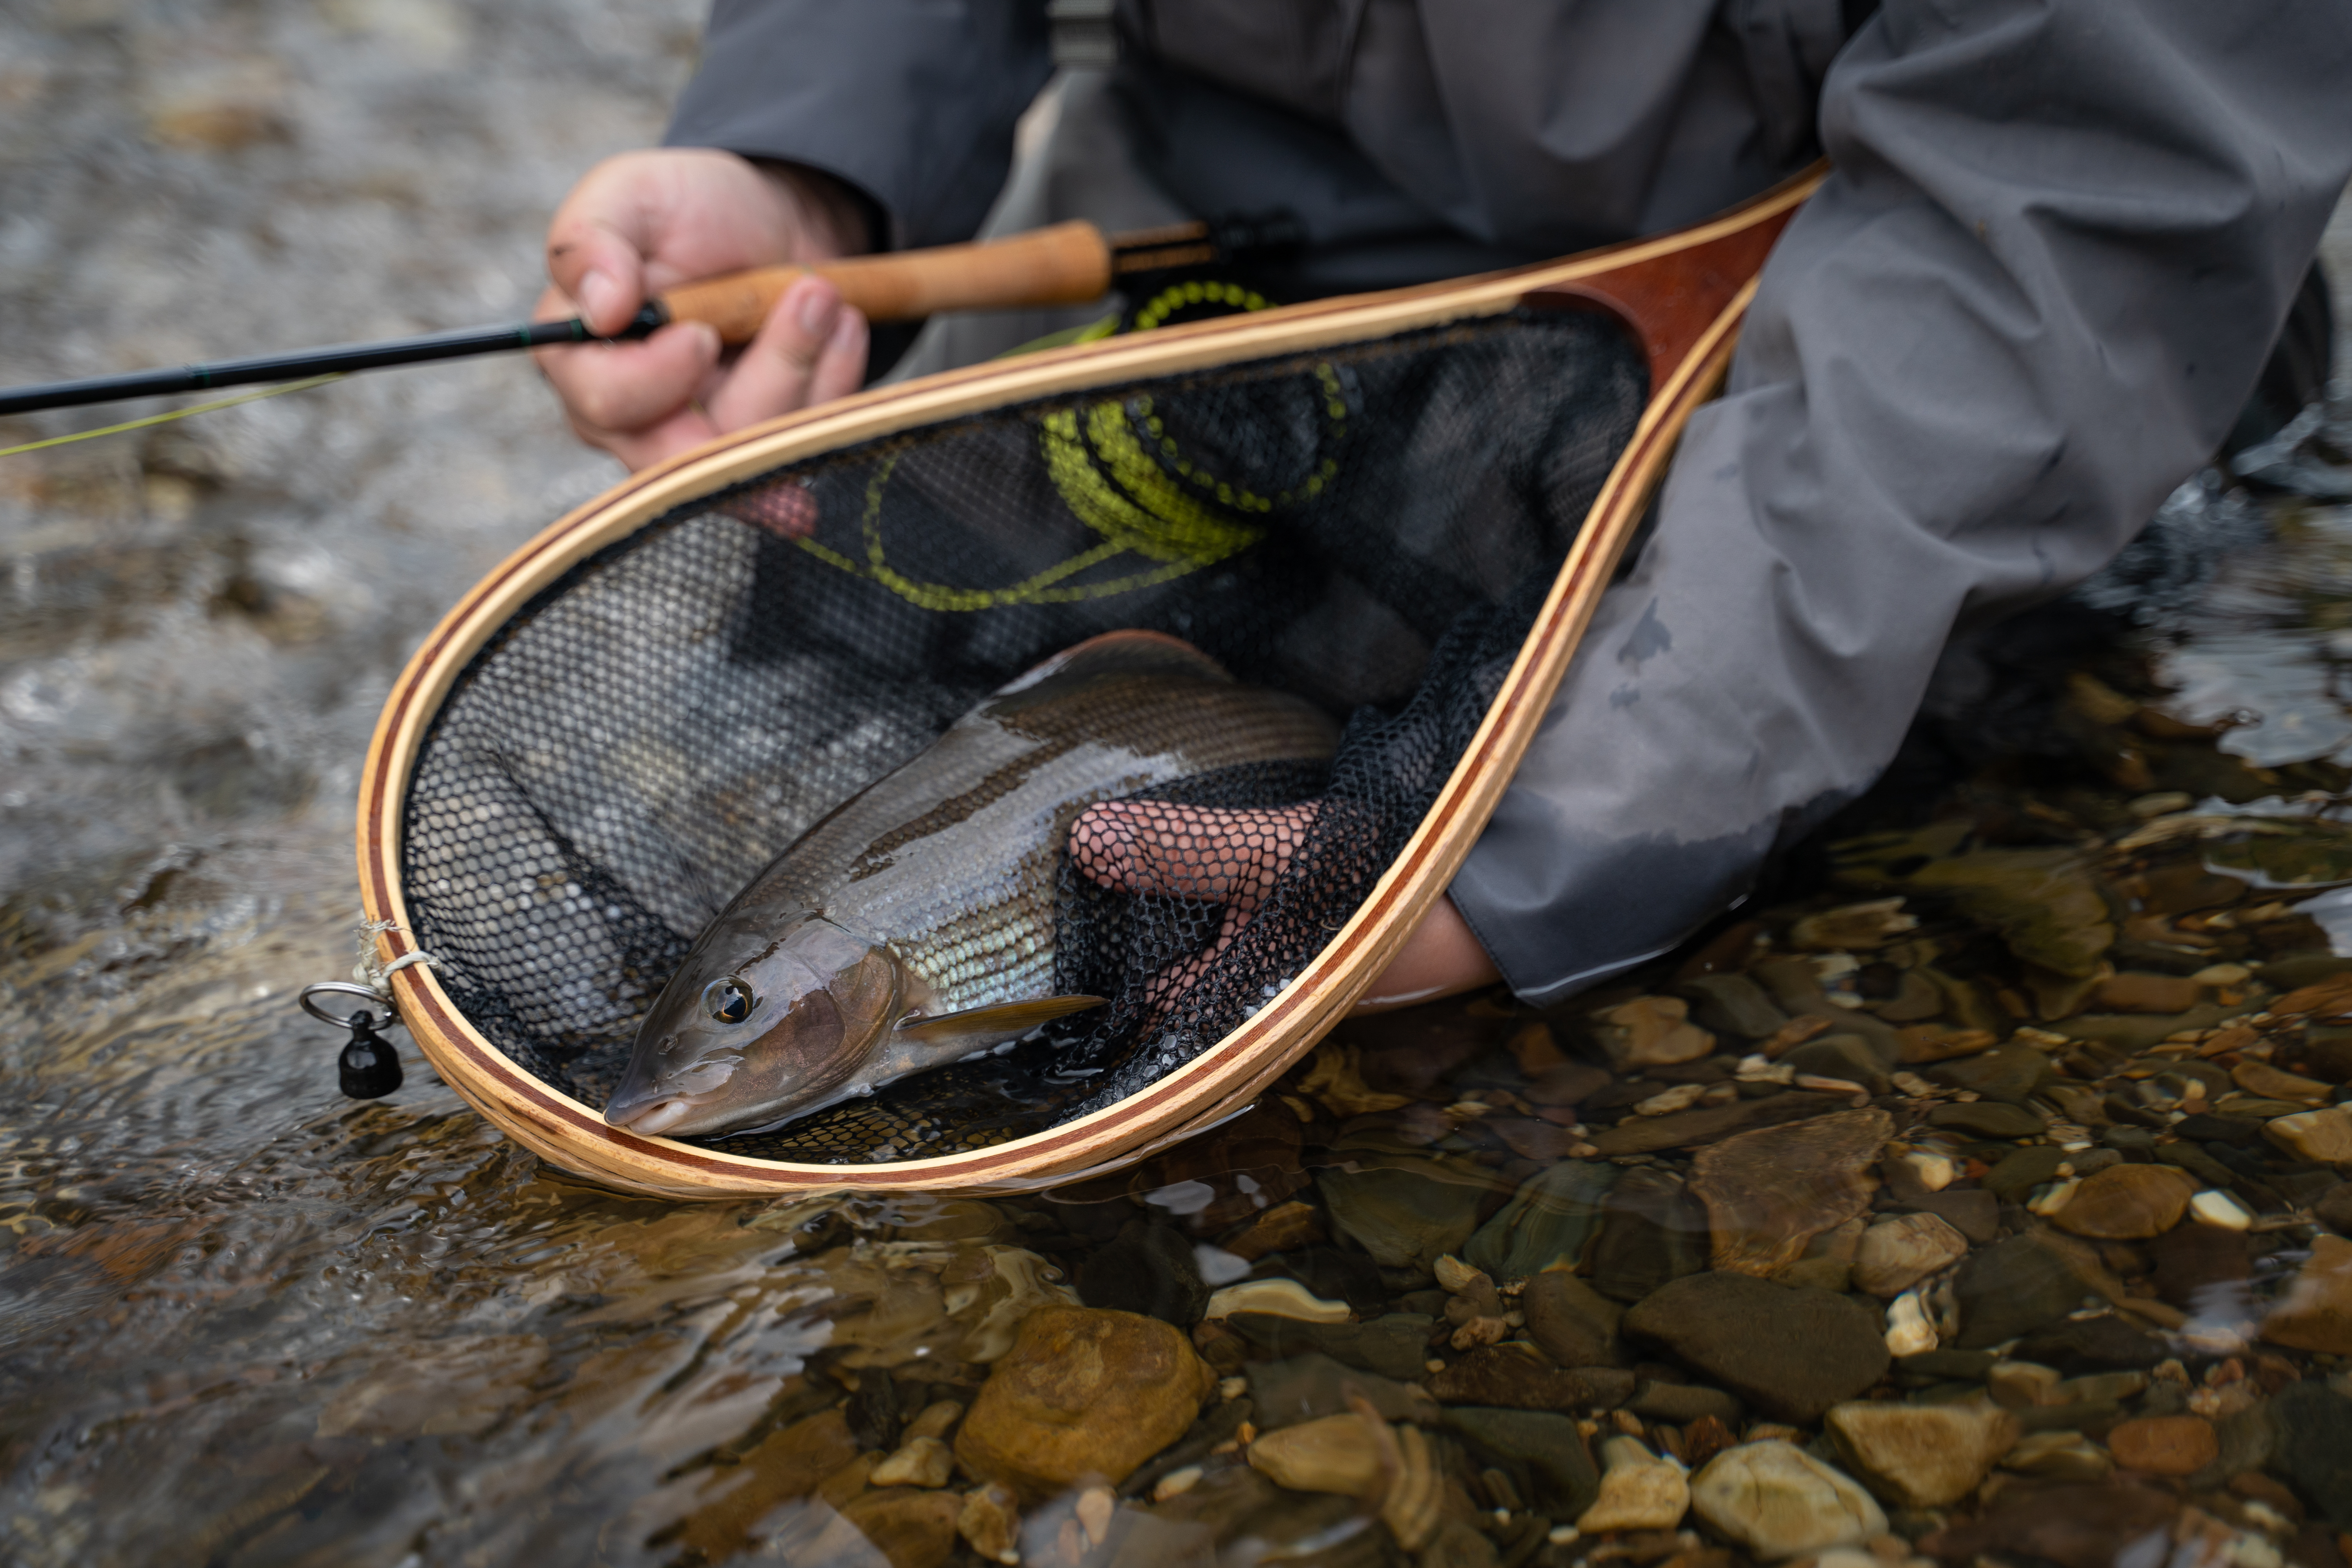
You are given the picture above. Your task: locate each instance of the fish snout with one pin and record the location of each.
(650, 1101)
(648, 1117)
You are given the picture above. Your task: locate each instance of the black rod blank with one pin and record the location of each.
(305, 363)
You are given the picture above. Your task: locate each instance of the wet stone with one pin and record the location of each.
(1308, 1387)
(1082, 1392)
(2164, 1445)
(1897, 1254)
(1974, 1213)
(1921, 1456)
(911, 1529)
(1333, 1454)
(2019, 1172)
(1847, 1056)
(1392, 1345)
(1652, 1231)
(2314, 1449)
(1769, 1192)
(1650, 1031)
(1790, 1351)
(1570, 1321)
(1549, 1445)
(2131, 992)
(2014, 1287)
(1149, 1269)
(2004, 1073)
(1988, 1118)
(2333, 1208)
(1732, 1004)
(1710, 1123)
(1513, 1376)
(1680, 1404)
(2093, 1344)
(2126, 1202)
(2322, 1137)
(1406, 1215)
(2315, 1311)
(1549, 1220)
(1638, 1491)
(2259, 1078)
(2072, 1525)
(2192, 1260)
(1777, 1500)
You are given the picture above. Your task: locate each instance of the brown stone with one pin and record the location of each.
(2276, 1083)
(1514, 1376)
(2315, 1311)
(1569, 1084)
(1531, 1138)
(1769, 1192)
(2322, 1137)
(2136, 993)
(2076, 1525)
(1648, 1134)
(912, 1529)
(1084, 1391)
(789, 1463)
(2128, 1203)
(1921, 1456)
(1898, 1252)
(1651, 1031)
(1278, 1229)
(2165, 1445)
(2325, 999)
(1925, 1043)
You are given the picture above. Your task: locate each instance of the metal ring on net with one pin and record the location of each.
(309, 995)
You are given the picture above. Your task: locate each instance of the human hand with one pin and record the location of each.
(1235, 856)
(644, 222)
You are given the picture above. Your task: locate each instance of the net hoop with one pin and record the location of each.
(1683, 295)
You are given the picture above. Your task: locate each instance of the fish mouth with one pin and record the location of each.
(643, 1106)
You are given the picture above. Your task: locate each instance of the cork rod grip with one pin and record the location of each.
(1067, 264)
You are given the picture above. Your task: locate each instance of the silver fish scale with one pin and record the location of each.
(952, 859)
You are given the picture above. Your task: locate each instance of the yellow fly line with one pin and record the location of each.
(174, 414)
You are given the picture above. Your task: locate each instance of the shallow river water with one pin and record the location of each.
(1973, 1196)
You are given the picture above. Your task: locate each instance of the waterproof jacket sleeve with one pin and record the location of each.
(911, 102)
(2057, 244)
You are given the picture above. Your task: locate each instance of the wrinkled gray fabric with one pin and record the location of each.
(2057, 244)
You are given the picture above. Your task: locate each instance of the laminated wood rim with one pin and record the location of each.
(1683, 295)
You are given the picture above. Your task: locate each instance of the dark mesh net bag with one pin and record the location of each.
(1371, 527)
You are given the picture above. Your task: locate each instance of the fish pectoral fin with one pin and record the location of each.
(977, 1027)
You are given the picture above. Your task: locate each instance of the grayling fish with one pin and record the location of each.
(914, 926)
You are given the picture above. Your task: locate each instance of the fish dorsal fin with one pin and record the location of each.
(976, 1027)
(1130, 652)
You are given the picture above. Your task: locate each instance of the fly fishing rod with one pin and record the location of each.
(1067, 264)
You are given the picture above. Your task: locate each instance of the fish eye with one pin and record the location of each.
(729, 1000)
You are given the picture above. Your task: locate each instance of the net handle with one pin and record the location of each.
(1066, 264)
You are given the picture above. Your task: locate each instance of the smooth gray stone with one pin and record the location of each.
(1550, 1219)
(2013, 1288)
(1732, 1004)
(1790, 1351)
(1546, 1443)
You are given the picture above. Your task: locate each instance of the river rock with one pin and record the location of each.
(1275, 1299)
(1083, 1392)
(2314, 1451)
(1777, 1501)
(2322, 1137)
(1394, 1345)
(1847, 1057)
(2104, 1343)
(1897, 1252)
(1650, 1031)
(1769, 1192)
(1334, 1454)
(2005, 1072)
(1549, 1221)
(2261, 1079)
(1710, 1123)
(1921, 1456)
(1149, 1269)
(1515, 1376)
(1653, 1230)
(1407, 1214)
(1732, 1004)
(2315, 1311)
(1790, 1351)
(2128, 1203)
(1564, 1480)
(1680, 1404)
(2199, 1267)
(1988, 1119)
(912, 1529)
(2014, 1287)
(1971, 1211)
(2023, 1170)
(922, 1462)
(2164, 1445)
(2138, 992)
(1638, 1490)
(1309, 1387)
(1570, 1321)
(2094, 1525)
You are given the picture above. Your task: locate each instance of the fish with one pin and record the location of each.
(913, 926)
